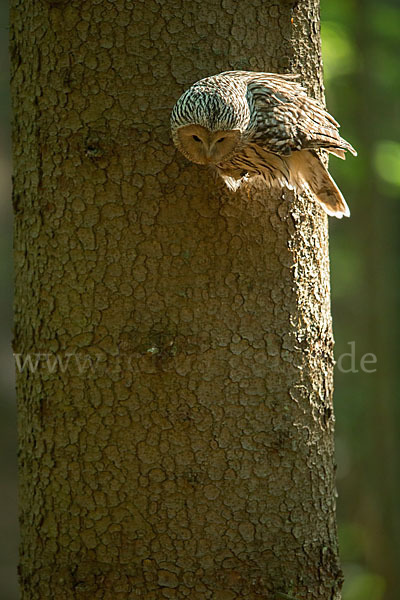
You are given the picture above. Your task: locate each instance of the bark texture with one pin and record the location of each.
(195, 458)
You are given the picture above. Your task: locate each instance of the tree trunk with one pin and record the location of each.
(176, 432)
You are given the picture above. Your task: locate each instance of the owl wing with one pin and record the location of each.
(288, 119)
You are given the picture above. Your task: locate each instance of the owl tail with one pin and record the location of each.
(308, 172)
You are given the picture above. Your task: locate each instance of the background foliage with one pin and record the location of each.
(361, 46)
(360, 50)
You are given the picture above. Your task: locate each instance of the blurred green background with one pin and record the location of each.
(361, 52)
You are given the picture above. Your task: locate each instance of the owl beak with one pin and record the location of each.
(207, 154)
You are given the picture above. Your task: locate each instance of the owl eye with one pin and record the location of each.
(196, 138)
(220, 140)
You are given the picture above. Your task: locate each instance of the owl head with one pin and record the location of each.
(208, 122)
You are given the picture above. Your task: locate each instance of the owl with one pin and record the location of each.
(246, 125)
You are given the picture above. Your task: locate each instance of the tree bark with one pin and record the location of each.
(193, 456)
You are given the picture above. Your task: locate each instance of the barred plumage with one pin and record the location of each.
(260, 124)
